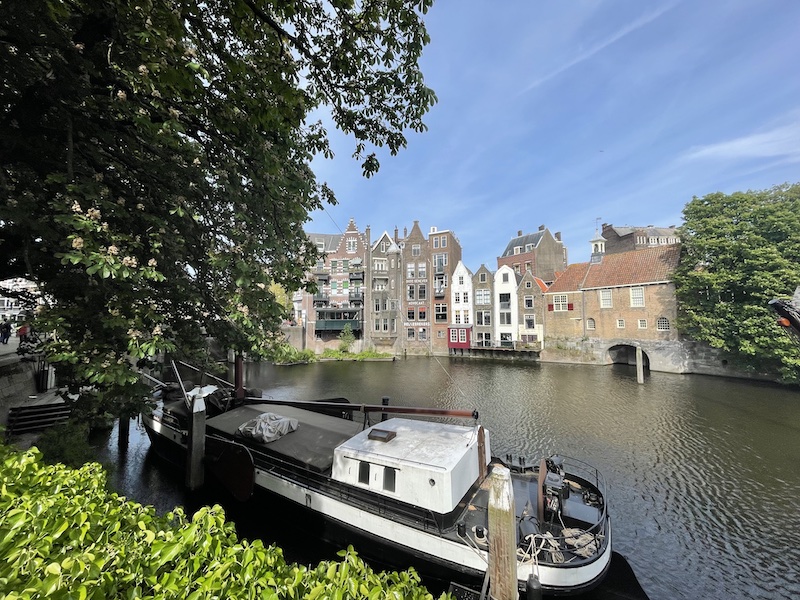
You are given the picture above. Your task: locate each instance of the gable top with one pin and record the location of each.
(385, 237)
(523, 241)
(648, 265)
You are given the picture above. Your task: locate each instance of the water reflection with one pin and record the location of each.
(703, 471)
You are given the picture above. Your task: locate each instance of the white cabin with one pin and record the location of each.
(428, 464)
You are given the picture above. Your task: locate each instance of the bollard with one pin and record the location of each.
(197, 444)
(502, 536)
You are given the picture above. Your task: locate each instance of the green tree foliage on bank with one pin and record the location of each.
(155, 161)
(63, 536)
(740, 251)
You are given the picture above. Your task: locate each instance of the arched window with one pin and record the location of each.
(662, 324)
(590, 324)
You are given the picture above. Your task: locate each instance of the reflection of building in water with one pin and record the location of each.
(12, 307)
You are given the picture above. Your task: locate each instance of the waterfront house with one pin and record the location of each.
(541, 253)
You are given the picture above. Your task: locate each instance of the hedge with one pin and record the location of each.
(63, 535)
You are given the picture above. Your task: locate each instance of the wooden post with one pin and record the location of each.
(502, 536)
(639, 365)
(124, 430)
(197, 444)
(238, 376)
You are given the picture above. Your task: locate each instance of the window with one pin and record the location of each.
(422, 291)
(590, 324)
(482, 277)
(440, 334)
(389, 478)
(528, 284)
(517, 249)
(352, 244)
(460, 280)
(377, 304)
(505, 317)
(457, 315)
(379, 264)
(637, 297)
(363, 472)
(528, 301)
(505, 300)
(321, 245)
(484, 317)
(462, 336)
(454, 335)
(384, 246)
(662, 324)
(436, 242)
(334, 264)
(422, 313)
(605, 299)
(346, 284)
(444, 241)
(441, 313)
(505, 277)
(416, 250)
(560, 303)
(642, 323)
(465, 297)
(386, 324)
(410, 274)
(345, 265)
(439, 262)
(483, 297)
(517, 268)
(377, 324)
(620, 323)
(333, 287)
(466, 316)
(423, 334)
(457, 298)
(412, 292)
(530, 322)
(410, 334)
(422, 270)
(410, 315)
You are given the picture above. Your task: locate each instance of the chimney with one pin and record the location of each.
(557, 235)
(405, 232)
(541, 227)
(366, 232)
(519, 233)
(395, 234)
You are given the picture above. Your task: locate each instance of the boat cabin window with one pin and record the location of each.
(389, 477)
(363, 472)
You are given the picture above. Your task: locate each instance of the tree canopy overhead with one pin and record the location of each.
(154, 158)
(739, 252)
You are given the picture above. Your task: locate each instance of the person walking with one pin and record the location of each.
(5, 331)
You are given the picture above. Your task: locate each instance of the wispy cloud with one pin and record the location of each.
(781, 141)
(615, 37)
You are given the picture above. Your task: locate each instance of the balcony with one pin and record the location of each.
(321, 299)
(356, 298)
(505, 305)
(357, 276)
(337, 324)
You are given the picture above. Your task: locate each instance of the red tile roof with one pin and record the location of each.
(648, 265)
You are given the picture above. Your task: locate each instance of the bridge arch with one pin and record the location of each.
(625, 354)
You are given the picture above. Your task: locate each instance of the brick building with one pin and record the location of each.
(541, 253)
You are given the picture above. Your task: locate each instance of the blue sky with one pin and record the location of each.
(562, 112)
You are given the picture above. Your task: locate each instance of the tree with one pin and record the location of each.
(739, 252)
(154, 161)
(346, 338)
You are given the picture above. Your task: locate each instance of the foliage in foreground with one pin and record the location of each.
(739, 251)
(62, 535)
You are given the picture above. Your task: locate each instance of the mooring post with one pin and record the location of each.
(502, 536)
(197, 444)
(238, 376)
(124, 430)
(639, 365)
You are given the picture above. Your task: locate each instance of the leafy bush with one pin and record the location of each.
(286, 354)
(63, 535)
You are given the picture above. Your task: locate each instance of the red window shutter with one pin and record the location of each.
(570, 306)
(550, 307)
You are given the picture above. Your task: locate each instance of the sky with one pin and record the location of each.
(574, 113)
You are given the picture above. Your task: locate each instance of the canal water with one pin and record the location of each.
(704, 472)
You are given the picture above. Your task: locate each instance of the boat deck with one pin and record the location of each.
(311, 444)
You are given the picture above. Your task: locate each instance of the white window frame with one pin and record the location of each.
(560, 302)
(642, 323)
(606, 299)
(662, 324)
(637, 297)
(620, 323)
(591, 324)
